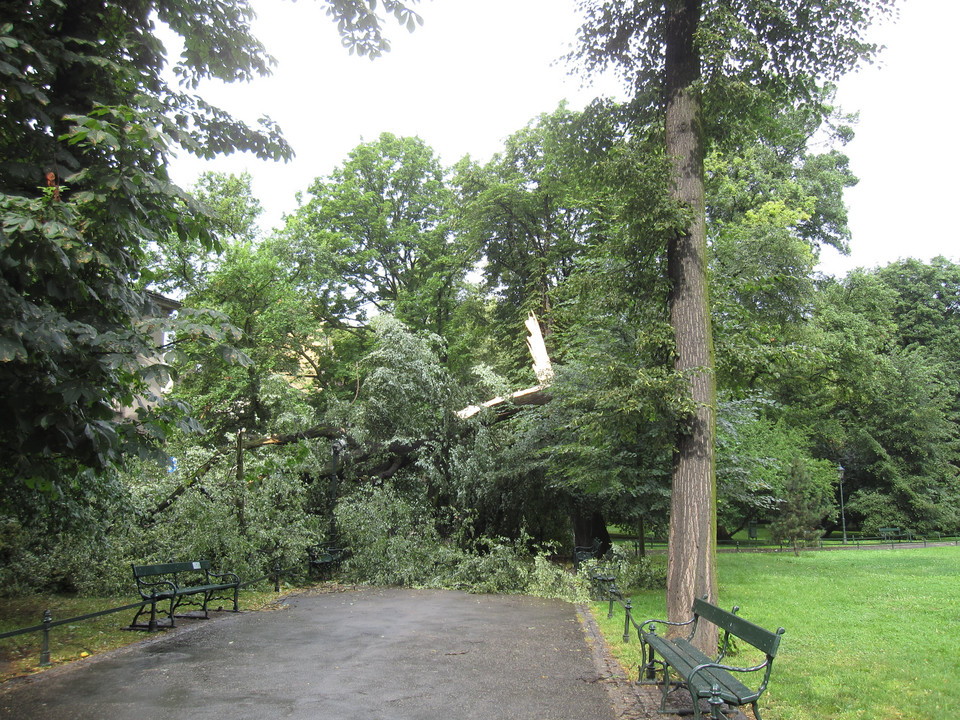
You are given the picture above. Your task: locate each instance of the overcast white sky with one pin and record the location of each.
(477, 72)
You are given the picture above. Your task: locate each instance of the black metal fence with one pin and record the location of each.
(854, 540)
(48, 623)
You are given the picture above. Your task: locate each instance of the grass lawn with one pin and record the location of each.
(871, 634)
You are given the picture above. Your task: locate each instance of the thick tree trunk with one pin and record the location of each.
(692, 542)
(589, 526)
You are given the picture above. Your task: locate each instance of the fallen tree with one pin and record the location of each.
(391, 457)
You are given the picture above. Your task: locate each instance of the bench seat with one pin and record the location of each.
(684, 658)
(707, 678)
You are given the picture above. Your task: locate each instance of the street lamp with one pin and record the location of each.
(337, 446)
(843, 515)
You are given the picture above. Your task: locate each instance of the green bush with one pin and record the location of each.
(392, 539)
(632, 573)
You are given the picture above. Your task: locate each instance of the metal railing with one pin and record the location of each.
(856, 542)
(48, 623)
(605, 584)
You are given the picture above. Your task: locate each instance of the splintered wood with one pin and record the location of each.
(541, 368)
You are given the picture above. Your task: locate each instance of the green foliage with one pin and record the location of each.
(392, 539)
(883, 411)
(533, 210)
(633, 573)
(88, 127)
(756, 57)
(407, 392)
(756, 447)
(375, 237)
(805, 504)
(361, 25)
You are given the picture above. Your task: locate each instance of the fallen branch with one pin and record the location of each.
(396, 455)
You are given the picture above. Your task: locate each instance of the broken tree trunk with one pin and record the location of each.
(536, 395)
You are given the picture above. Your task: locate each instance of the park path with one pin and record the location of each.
(367, 653)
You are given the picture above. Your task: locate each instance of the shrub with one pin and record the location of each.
(392, 539)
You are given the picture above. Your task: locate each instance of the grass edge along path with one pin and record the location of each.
(871, 634)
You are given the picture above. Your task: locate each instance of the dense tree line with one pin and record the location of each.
(395, 293)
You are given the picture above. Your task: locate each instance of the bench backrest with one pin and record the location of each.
(760, 638)
(140, 571)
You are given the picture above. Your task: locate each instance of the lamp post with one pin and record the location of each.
(843, 515)
(337, 446)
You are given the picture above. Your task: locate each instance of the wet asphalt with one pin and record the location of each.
(367, 653)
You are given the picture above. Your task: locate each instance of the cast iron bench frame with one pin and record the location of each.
(582, 553)
(705, 677)
(324, 559)
(160, 583)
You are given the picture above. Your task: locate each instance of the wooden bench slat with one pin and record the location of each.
(757, 636)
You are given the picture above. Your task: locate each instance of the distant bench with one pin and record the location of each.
(324, 560)
(583, 553)
(891, 534)
(171, 585)
(705, 677)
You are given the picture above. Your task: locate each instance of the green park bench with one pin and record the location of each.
(704, 677)
(602, 574)
(582, 553)
(891, 534)
(323, 560)
(163, 585)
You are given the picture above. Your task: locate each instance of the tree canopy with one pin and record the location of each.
(395, 293)
(89, 127)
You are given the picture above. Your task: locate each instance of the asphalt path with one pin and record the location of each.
(368, 653)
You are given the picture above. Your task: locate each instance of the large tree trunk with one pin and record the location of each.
(692, 543)
(589, 526)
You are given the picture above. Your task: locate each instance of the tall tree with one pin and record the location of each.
(530, 213)
(880, 408)
(375, 237)
(713, 69)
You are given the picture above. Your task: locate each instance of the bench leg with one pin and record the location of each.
(648, 667)
(152, 625)
(666, 688)
(142, 611)
(716, 702)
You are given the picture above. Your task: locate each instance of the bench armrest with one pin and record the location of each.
(728, 668)
(232, 576)
(732, 668)
(654, 622)
(147, 589)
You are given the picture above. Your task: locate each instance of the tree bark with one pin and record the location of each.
(692, 543)
(588, 526)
